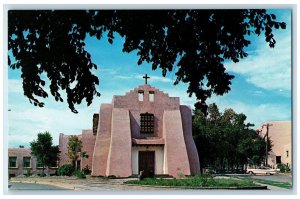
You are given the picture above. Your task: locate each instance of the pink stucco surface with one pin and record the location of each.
(20, 170)
(280, 133)
(63, 147)
(103, 141)
(186, 117)
(161, 102)
(177, 161)
(88, 144)
(63, 144)
(153, 141)
(119, 158)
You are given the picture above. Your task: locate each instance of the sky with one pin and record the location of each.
(261, 88)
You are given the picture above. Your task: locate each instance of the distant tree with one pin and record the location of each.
(74, 149)
(193, 43)
(44, 151)
(225, 142)
(21, 146)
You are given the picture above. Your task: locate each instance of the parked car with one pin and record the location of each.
(263, 170)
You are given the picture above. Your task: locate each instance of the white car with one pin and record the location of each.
(263, 171)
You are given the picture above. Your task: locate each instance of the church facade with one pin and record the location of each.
(144, 130)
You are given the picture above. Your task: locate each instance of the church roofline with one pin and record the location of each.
(142, 87)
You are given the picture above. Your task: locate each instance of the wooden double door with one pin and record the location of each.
(147, 163)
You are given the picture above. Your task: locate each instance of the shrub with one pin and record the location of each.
(65, 170)
(42, 174)
(28, 173)
(79, 174)
(283, 168)
(86, 170)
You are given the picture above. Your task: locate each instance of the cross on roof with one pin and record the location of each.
(146, 77)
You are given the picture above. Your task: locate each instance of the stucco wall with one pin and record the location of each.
(63, 147)
(88, 144)
(159, 158)
(186, 117)
(161, 102)
(20, 170)
(119, 156)
(176, 157)
(103, 141)
(280, 133)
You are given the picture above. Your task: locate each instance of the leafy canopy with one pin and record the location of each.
(74, 148)
(225, 141)
(193, 43)
(42, 149)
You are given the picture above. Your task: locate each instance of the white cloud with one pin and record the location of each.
(159, 79)
(123, 77)
(25, 124)
(152, 78)
(15, 86)
(267, 68)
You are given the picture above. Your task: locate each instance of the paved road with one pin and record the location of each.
(102, 184)
(32, 186)
(277, 178)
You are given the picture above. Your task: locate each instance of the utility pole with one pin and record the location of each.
(267, 135)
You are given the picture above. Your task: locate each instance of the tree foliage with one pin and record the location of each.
(74, 148)
(225, 142)
(193, 43)
(46, 154)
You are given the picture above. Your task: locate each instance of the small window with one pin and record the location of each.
(26, 162)
(141, 96)
(147, 123)
(13, 162)
(151, 96)
(54, 164)
(39, 165)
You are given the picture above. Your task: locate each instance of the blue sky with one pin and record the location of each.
(261, 88)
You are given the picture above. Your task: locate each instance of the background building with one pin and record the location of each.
(20, 162)
(280, 133)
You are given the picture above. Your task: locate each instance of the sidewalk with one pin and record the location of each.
(90, 183)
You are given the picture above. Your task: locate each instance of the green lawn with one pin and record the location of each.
(196, 182)
(274, 183)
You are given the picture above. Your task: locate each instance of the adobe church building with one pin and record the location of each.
(144, 130)
(280, 133)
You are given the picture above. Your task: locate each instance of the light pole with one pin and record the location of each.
(267, 135)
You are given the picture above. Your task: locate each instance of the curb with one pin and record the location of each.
(205, 188)
(61, 185)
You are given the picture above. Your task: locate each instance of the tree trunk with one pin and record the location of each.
(74, 163)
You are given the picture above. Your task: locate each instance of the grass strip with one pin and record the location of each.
(195, 182)
(285, 185)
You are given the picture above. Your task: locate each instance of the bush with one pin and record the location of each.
(65, 170)
(283, 168)
(79, 174)
(28, 173)
(42, 174)
(86, 170)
